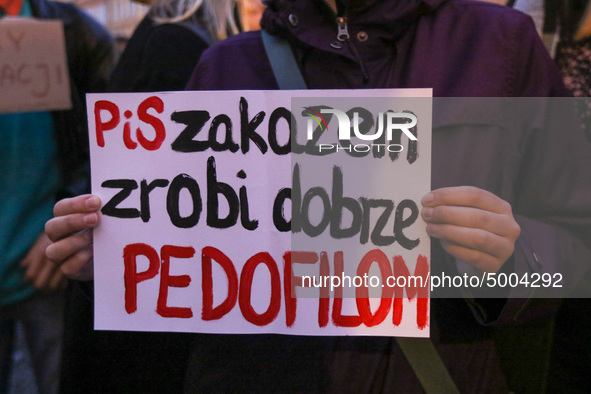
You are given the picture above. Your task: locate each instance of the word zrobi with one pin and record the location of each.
(345, 124)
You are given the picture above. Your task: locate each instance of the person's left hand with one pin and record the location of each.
(473, 225)
(45, 275)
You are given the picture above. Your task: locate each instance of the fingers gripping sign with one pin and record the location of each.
(71, 234)
(473, 225)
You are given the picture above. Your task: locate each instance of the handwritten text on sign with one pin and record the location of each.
(223, 214)
(33, 67)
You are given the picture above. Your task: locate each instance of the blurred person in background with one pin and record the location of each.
(560, 345)
(160, 56)
(167, 44)
(42, 159)
(251, 12)
(570, 362)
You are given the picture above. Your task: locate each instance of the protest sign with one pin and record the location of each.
(290, 212)
(33, 66)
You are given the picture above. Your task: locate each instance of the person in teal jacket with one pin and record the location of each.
(42, 159)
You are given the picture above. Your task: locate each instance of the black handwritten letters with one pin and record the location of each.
(248, 132)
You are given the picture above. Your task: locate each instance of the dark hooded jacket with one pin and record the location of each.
(459, 48)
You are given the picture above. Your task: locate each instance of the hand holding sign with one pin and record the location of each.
(71, 233)
(472, 224)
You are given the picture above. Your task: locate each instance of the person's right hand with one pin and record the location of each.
(71, 233)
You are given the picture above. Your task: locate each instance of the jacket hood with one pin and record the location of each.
(313, 21)
(43, 9)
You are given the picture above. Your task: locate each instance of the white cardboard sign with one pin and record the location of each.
(33, 66)
(200, 190)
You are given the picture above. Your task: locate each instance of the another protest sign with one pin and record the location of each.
(33, 66)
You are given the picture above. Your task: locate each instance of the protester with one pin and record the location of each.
(42, 160)
(160, 56)
(492, 203)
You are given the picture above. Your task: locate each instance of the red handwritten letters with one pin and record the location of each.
(240, 287)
